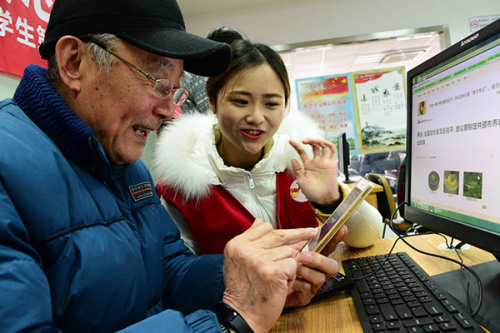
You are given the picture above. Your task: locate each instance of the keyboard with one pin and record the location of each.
(401, 297)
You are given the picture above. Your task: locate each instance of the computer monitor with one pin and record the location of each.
(344, 157)
(453, 142)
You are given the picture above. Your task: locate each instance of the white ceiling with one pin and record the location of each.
(197, 7)
(406, 51)
(347, 57)
(319, 60)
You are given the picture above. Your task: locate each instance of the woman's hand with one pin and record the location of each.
(318, 179)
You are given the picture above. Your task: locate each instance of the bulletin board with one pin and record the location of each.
(369, 106)
(380, 103)
(328, 100)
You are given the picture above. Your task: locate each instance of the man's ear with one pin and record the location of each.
(69, 52)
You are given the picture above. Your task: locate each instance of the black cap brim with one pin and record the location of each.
(201, 56)
(156, 26)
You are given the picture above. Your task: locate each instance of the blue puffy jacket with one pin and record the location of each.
(85, 245)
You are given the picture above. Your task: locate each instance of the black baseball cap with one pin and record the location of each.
(156, 26)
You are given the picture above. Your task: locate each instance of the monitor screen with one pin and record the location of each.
(453, 148)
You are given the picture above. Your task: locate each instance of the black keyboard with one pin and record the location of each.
(401, 297)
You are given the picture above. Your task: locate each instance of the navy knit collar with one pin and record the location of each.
(46, 108)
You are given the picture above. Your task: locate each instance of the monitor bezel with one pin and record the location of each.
(343, 155)
(481, 238)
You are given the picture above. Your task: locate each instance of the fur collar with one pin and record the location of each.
(186, 158)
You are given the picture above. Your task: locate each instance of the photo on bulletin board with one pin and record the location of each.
(380, 100)
(328, 100)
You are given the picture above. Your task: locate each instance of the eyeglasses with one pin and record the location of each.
(162, 87)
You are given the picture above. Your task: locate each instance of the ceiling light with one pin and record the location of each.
(367, 59)
(401, 56)
(427, 35)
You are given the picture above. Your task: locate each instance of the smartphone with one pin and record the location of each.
(335, 221)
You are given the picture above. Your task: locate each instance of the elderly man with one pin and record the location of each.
(85, 244)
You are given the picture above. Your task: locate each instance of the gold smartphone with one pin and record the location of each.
(337, 219)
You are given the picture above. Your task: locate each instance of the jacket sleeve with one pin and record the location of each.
(25, 304)
(186, 234)
(191, 282)
(172, 321)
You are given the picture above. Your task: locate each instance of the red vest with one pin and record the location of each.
(219, 216)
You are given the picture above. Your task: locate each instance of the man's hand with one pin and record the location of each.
(312, 271)
(318, 179)
(259, 271)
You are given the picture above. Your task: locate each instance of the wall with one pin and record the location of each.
(294, 21)
(8, 84)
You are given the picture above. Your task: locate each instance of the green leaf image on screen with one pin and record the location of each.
(473, 185)
(433, 180)
(451, 182)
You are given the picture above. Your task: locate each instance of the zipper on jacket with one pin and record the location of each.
(251, 185)
(106, 185)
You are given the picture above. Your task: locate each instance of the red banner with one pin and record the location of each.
(362, 78)
(22, 29)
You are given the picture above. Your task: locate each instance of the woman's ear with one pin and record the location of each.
(69, 52)
(212, 107)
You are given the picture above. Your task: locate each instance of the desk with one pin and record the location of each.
(338, 313)
(372, 197)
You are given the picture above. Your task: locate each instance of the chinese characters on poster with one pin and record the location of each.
(22, 30)
(327, 99)
(381, 109)
(369, 106)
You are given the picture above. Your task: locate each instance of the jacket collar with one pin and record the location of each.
(187, 160)
(47, 109)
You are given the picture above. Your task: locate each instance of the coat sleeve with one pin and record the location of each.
(172, 321)
(193, 285)
(191, 281)
(26, 304)
(179, 220)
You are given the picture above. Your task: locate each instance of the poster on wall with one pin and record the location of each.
(479, 22)
(380, 101)
(22, 30)
(328, 100)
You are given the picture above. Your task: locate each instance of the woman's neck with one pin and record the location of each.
(238, 159)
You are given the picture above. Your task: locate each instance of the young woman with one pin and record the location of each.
(242, 163)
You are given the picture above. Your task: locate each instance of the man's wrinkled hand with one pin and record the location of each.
(312, 271)
(260, 269)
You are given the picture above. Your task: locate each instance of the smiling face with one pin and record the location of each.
(120, 105)
(249, 110)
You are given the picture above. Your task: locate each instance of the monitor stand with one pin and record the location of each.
(455, 283)
(347, 180)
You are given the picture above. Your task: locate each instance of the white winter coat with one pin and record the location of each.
(186, 159)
